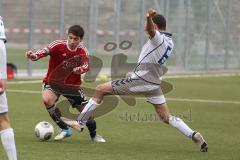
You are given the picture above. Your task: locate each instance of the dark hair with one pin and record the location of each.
(76, 30)
(160, 21)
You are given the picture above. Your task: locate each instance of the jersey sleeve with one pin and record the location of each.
(157, 39)
(48, 50)
(52, 47)
(85, 61)
(3, 61)
(2, 31)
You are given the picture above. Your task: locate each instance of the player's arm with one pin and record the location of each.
(49, 50)
(37, 55)
(150, 28)
(84, 67)
(84, 62)
(3, 67)
(2, 86)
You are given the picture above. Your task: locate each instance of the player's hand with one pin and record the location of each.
(31, 55)
(151, 12)
(78, 70)
(2, 86)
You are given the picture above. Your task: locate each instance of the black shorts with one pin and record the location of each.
(78, 99)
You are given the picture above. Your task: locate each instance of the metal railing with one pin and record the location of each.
(206, 33)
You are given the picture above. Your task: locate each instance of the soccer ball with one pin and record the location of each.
(44, 130)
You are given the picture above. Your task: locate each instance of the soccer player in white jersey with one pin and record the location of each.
(153, 54)
(6, 132)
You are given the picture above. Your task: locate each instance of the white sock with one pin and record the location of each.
(7, 137)
(87, 111)
(181, 126)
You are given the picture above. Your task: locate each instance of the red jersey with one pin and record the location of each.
(62, 62)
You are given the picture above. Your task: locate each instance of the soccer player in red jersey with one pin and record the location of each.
(68, 60)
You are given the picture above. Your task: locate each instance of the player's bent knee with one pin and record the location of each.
(165, 118)
(4, 123)
(48, 98)
(100, 89)
(48, 102)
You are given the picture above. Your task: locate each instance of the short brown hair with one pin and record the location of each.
(160, 21)
(76, 30)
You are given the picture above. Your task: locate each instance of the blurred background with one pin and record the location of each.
(206, 33)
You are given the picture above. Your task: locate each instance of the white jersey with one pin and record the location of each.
(3, 57)
(153, 55)
(2, 31)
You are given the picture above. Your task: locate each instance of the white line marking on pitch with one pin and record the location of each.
(170, 99)
(23, 91)
(202, 100)
(166, 76)
(202, 75)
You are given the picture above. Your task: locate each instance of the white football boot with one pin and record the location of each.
(73, 124)
(200, 142)
(98, 138)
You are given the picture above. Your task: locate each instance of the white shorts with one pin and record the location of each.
(3, 103)
(139, 87)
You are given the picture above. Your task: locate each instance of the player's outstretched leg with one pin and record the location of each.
(83, 117)
(73, 124)
(179, 124)
(197, 138)
(99, 93)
